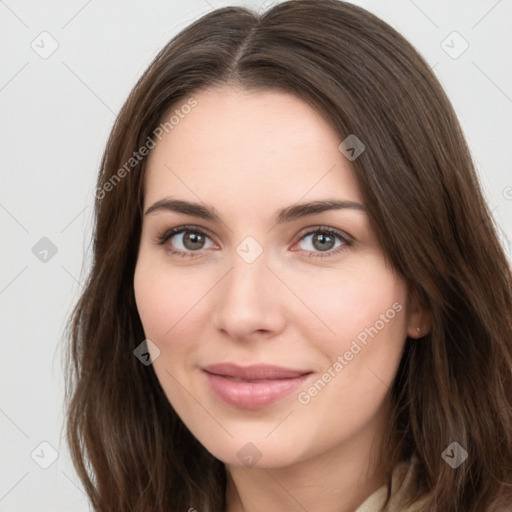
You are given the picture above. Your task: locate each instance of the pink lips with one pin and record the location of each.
(255, 386)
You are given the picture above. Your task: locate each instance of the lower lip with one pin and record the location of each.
(252, 395)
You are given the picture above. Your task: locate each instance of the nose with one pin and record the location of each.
(248, 303)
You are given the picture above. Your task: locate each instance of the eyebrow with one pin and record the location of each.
(287, 214)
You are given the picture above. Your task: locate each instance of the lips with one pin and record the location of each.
(255, 386)
(255, 372)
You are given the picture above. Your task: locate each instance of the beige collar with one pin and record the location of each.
(376, 500)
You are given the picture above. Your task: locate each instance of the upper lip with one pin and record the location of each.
(254, 371)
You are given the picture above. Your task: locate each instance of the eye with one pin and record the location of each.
(187, 240)
(184, 240)
(324, 240)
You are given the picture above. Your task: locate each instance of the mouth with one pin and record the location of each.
(255, 386)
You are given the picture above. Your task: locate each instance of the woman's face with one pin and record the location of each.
(253, 276)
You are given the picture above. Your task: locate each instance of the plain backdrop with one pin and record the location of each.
(57, 110)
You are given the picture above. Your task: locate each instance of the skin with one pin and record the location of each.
(248, 154)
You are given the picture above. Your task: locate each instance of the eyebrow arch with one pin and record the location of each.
(285, 215)
(315, 207)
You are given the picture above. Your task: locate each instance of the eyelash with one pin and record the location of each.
(168, 234)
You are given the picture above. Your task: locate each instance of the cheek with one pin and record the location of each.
(165, 306)
(164, 299)
(349, 303)
(173, 311)
(367, 312)
(151, 296)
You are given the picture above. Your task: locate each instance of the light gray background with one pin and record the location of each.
(56, 114)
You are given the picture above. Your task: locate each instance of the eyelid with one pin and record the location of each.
(161, 238)
(326, 229)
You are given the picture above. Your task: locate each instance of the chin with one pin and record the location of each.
(258, 450)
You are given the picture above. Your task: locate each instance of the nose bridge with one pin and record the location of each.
(246, 301)
(247, 283)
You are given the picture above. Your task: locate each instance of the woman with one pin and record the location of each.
(298, 300)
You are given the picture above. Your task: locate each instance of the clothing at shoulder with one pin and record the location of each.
(375, 501)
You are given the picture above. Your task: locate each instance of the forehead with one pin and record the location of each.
(239, 143)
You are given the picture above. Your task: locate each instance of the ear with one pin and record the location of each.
(419, 318)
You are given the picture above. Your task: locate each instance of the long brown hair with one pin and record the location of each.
(130, 449)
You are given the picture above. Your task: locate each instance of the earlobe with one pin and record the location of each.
(419, 322)
(419, 329)
(418, 333)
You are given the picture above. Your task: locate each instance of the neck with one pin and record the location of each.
(339, 479)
